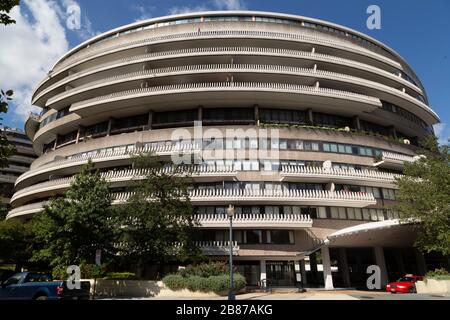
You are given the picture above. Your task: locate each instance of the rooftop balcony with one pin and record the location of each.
(321, 174)
(96, 52)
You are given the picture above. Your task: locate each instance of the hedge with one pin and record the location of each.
(121, 276)
(218, 284)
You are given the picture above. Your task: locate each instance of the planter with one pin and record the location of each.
(432, 286)
(141, 288)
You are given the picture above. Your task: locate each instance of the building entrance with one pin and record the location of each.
(280, 273)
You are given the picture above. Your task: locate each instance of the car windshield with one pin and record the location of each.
(406, 279)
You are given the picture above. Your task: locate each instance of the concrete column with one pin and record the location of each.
(327, 277)
(393, 132)
(200, 113)
(110, 122)
(256, 114)
(310, 116)
(303, 272)
(356, 123)
(399, 259)
(150, 120)
(343, 267)
(56, 142)
(381, 262)
(313, 267)
(79, 133)
(263, 272)
(421, 264)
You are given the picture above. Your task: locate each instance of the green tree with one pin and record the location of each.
(157, 219)
(6, 150)
(73, 226)
(424, 194)
(16, 242)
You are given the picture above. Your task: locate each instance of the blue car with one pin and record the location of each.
(40, 286)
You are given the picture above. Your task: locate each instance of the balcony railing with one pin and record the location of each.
(164, 150)
(311, 197)
(311, 72)
(226, 51)
(390, 156)
(193, 171)
(241, 220)
(335, 43)
(245, 86)
(351, 174)
(218, 248)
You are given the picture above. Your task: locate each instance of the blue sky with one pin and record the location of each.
(417, 29)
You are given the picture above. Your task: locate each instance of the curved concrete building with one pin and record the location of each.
(339, 112)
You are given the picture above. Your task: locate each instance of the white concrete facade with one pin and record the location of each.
(348, 110)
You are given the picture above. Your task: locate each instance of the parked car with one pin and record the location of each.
(40, 286)
(406, 284)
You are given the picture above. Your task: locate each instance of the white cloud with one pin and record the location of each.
(442, 131)
(32, 45)
(145, 12)
(210, 5)
(29, 49)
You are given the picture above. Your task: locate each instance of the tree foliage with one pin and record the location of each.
(6, 149)
(16, 242)
(424, 194)
(157, 220)
(5, 8)
(73, 226)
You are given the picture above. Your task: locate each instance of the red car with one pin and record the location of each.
(406, 284)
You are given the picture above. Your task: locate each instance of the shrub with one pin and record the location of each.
(121, 276)
(196, 283)
(438, 274)
(174, 282)
(88, 271)
(221, 284)
(205, 269)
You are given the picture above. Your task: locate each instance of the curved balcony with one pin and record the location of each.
(95, 52)
(357, 177)
(248, 196)
(222, 51)
(31, 125)
(218, 248)
(391, 160)
(252, 92)
(115, 157)
(272, 221)
(120, 178)
(26, 210)
(100, 87)
(287, 197)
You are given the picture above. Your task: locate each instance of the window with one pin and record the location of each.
(321, 213)
(334, 213)
(253, 236)
(280, 237)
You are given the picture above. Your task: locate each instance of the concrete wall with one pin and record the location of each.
(432, 286)
(140, 288)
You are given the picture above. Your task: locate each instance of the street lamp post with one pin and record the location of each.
(230, 213)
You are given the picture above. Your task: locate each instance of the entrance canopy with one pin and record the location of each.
(387, 233)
